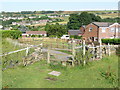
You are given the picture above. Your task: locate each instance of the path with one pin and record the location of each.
(59, 55)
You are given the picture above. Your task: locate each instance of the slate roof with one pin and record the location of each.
(35, 32)
(102, 24)
(74, 32)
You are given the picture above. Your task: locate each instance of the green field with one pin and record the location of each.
(89, 76)
(8, 46)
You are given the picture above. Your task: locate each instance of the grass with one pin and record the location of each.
(65, 51)
(7, 46)
(112, 15)
(53, 43)
(33, 76)
(14, 57)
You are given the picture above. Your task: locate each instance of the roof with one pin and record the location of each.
(35, 32)
(74, 32)
(84, 26)
(102, 24)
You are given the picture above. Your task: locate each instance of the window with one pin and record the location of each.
(90, 29)
(117, 29)
(103, 29)
(112, 29)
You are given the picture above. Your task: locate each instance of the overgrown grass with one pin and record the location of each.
(89, 76)
(14, 58)
(65, 51)
(7, 46)
(52, 43)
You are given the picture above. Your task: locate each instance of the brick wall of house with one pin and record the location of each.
(82, 29)
(93, 33)
(116, 32)
(112, 31)
(103, 32)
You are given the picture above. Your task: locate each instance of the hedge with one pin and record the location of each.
(14, 34)
(111, 41)
(75, 36)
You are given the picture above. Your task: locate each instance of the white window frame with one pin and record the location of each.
(103, 29)
(90, 29)
(112, 29)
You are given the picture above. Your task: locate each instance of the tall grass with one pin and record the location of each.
(13, 59)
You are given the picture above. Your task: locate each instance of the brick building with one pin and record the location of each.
(100, 30)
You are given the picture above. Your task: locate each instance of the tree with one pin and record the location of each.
(76, 21)
(95, 18)
(55, 29)
(85, 18)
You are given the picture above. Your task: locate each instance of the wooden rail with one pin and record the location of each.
(27, 49)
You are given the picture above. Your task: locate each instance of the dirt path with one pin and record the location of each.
(59, 55)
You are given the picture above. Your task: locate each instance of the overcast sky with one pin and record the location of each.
(71, 5)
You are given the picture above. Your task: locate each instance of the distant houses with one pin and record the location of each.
(30, 33)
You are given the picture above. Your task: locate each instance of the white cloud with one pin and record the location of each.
(59, 0)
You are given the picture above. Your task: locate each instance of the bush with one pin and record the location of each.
(14, 34)
(32, 35)
(52, 36)
(111, 41)
(39, 35)
(75, 37)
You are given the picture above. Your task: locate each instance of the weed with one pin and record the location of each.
(110, 76)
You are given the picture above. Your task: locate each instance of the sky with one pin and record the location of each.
(56, 5)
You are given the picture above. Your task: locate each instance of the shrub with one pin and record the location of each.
(52, 36)
(14, 34)
(39, 35)
(111, 41)
(32, 35)
(75, 37)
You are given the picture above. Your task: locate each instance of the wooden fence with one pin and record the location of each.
(98, 52)
(16, 55)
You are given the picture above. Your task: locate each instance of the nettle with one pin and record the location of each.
(83, 59)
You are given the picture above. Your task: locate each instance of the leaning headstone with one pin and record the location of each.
(55, 73)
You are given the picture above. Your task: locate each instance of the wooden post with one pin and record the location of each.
(93, 52)
(84, 62)
(100, 50)
(106, 50)
(57, 44)
(27, 50)
(83, 47)
(48, 56)
(41, 47)
(109, 49)
(73, 49)
(63, 45)
(73, 53)
(73, 63)
(51, 44)
(84, 51)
